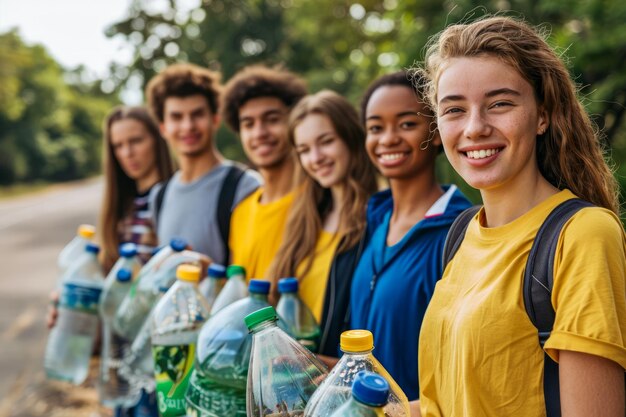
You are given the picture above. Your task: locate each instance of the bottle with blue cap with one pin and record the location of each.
(114, 390)
(297, 316)
(357, 346)
(282, 374)
(213, 283)
(176, 322)
(143, 294)
(76, 247)
(370, 392)
(70, 342)
(218, 382)
(235, 288)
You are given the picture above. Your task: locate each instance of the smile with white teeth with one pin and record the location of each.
(391, 156)
(483, 153)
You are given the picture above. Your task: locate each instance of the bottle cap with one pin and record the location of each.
(288, 285)
(178, 245)
(86, 230)
(216, 271)
(235, 270)
(128, 250)
(92, 248)
(265, 314)
(188, 272)
(356, 341)
(124, 275)
(259, 286)
(371, 389)
(163, 288)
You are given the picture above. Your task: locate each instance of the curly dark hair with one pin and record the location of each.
(260, 81)
(183, 80)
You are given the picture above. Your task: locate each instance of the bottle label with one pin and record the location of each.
(80, 297)
(172, 369)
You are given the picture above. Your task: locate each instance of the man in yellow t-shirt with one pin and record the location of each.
(256, 105)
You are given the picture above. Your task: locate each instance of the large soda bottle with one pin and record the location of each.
(282, 374)
(113, 387)
(76, 247)
(70, 342)
(176, 321)
(370, 392)
(218, 383)
(160, 271)
(357, 346)
(212, 284)
(234, 289)
(297, 316)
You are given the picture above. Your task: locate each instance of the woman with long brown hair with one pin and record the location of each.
(327, 219)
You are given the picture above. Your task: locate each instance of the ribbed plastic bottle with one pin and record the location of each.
(76, 247)
(282, 374)
(114, 389)
(357, 347)
(218, 382)
(297, 316)
(370, 392)
(235, 288)
(70, 342)
(213, 283)
(176, 322)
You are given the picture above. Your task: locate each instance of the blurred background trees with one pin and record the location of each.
(50, 119)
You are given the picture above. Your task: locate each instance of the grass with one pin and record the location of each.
(21, 189)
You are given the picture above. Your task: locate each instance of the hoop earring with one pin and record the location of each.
(424, 145)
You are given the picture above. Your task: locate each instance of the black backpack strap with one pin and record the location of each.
(225, 204)
(537, 290)
(158, 201)
(456, 234)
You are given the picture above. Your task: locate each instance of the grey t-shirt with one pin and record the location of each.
(189, 211)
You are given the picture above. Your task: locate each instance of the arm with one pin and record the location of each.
(590, 385)
(414, 408)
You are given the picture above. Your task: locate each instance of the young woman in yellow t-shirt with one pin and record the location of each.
(327, 218)
(512, 127)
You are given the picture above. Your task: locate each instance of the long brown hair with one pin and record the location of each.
(314, 202)
(119, 188)
(569, 153)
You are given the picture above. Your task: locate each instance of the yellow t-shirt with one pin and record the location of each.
(313, 285)
(256, 232)
(479, 354)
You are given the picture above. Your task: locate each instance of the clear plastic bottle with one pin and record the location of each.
(176, 322)
(76, 247)
(282, 374)
(234, 289)
(218, 382)
(370, 392)
(213, 283)
(357, 346)
(297, 316)
(111, 300)
(70, 342)
(113, 388)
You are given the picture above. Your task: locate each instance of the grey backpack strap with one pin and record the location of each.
(537, 290)
(158, 201)
(456, 234)
(225, 204)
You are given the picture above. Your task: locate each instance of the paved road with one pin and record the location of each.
(33, 229)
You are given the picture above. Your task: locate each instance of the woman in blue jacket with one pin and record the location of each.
(407, 225)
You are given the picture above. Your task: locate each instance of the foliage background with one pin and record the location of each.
(50, 117)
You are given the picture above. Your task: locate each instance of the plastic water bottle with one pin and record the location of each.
(213, 283)
(369, 395)
(218, 383)
(113, 388)
(129, 259)
(282, 374)
(76, 247)
(70, 342)
(234, 289)
(176, 321)
(357, 346)
(297, 316)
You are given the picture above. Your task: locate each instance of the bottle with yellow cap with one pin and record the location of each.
(176, 321)
(357, 346)
(75, 248)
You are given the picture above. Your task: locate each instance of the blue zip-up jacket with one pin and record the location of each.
(392, 286)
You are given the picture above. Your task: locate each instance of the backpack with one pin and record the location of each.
(224, 204)
(538, 282)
